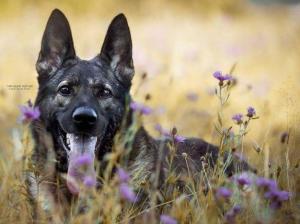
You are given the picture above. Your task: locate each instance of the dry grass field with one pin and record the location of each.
(178, 45)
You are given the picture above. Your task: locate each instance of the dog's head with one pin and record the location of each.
(82, 102)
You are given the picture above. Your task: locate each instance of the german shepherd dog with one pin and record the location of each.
(83, 105)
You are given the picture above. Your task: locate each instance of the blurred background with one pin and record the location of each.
(178, 45)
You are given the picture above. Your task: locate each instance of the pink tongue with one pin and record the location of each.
(81, 171)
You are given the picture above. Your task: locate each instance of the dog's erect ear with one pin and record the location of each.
(117, 49)
(57, 44)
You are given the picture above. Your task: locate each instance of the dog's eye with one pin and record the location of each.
(65, 90)
(104, 93)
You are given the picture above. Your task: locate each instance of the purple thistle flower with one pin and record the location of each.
(127, 193)
(161, 130)
(168, 135)
(267, 184)
(134, 106)
(232, 213)
(84, 159)
(237, 209)
(192, 96)
(251, 112)
(238, 118)
(223, 192)
(179, 138)
(218, 75)
(89, 181)
(243, 179)
(123, 175)
(272, 193)
(138, 107)
(276, 197)
(29, 113)
(146, 110)
(277, 194)
(166, 219)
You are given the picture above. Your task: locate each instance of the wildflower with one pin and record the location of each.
(276, 197)
(127, 193)
(232, 213)
(29, 113)
(266, 183)
(272, 192)
(243, 179)
(89, 181)
(84, 159)
(224, 193)
(170, 135)
(166, 219)
(138, 107)
(218, 75)
(179, 138)
(192, 96)
(251, 112)
(123, 175)
(162, 131)
(238, 118)
(80, 172)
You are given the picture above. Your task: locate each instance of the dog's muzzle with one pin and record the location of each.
(82, 148)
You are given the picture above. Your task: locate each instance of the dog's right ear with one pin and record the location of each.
(57, 45)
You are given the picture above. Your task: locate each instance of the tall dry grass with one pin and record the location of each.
(179, 46)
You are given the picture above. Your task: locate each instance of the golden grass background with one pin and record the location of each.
(179, 44)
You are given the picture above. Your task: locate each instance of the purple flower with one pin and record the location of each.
(237, 209)
(179, 138)
(192, 96)
(277, 194)
(168, 135)
(161, 130)
(138, 107)
(218, 75)
(166, 219)
(272, 193)
(232, 213)
(146, 110)
(84, 159)
(123, 175)
(127, 193)
(134, 106)
(223, 193)
(243, 179)
(276, 197)
(29, 113)
(238, 118)
(266, 183)
(89, 181)
(251, 112)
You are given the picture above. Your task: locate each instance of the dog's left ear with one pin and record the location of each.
(117, 49)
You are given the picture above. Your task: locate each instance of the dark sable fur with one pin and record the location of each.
(102, 84)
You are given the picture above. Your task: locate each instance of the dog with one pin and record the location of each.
(83, 106)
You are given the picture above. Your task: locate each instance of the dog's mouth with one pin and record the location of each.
(65, 140)
(81, 153)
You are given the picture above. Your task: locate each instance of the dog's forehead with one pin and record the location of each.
(90, 72)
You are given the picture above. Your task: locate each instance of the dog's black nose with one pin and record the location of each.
(84, 116)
